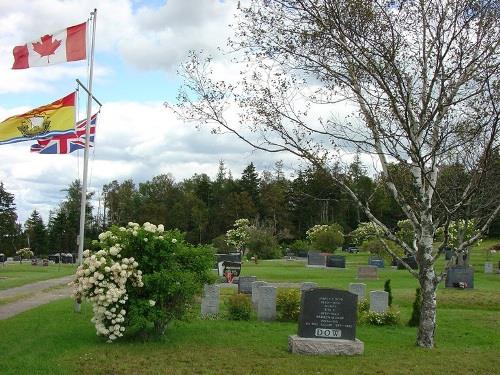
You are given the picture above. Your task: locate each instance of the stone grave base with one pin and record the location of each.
(312, 346)
(316, 266)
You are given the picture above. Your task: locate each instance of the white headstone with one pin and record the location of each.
(359, 289)
(379, 301)
(266, 307)
(210, 300)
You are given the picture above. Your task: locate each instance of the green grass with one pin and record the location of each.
(13, 274)
(53, 340)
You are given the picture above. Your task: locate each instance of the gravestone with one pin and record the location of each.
(255, 292)
(210, 300)
(488, 267)
(307, 285)
(460, 277)
(266, 306)
(379, 301)
(245, 284)
(335, 261)
(327, 323)
(359, 289)
(411, 261)
(2, 258)
(231, 269)
(375, 261)
(316, 259)
(368, 272)
(45, 262)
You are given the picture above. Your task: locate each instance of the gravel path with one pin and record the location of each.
(40, 293)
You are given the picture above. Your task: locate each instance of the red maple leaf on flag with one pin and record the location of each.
(47, 47)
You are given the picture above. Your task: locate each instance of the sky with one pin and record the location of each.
(139, 45)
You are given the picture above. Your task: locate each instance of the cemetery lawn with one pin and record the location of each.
(15, 274)
(52, 339)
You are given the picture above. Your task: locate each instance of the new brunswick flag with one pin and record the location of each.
(42, 122)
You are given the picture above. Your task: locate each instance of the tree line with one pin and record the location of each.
(205, 208)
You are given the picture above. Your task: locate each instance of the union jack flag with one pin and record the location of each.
(67, 143)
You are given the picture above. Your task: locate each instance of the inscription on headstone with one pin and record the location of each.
(359, 289)
(327, 313)
(488, 267)
(368, 272)
(255, 292)
(245, 284)
(379, 301)
(266, 307)
(210, 299)
(336, 261)
(315, 258)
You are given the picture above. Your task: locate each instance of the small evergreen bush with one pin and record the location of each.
(288, 305)
(415, 314)
(239, 307)
(388, 318)
(388, 289)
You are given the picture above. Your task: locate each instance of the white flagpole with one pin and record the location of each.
(87, 139)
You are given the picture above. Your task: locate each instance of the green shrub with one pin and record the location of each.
(388, 318)
(288, 305)
(220, 244)
(239, 307)
(300, 245)
(415, 314)
(388, 289)
(363, 306)
(376, 247)
(262, 244)
(364, 232)
(326, 237)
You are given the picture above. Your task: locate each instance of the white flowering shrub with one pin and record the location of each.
(364, 232)
(25, 253)
(238, 236)
(461, 230)
(139, 278)
(326, 237)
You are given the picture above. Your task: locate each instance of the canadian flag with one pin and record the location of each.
(65, 45)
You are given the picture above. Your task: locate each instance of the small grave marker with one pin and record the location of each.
(210, 300)
(359, 289)
(316, 259)
(379, 301)
(368, 272)
(266, 306)
(245, 284)
(335, 261)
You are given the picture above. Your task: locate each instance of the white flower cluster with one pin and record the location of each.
(25, 252)
(311, 232)
(102, 278)
(238, 236)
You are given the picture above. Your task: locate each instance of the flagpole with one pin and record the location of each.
(87, 139)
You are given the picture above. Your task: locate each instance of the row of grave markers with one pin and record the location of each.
(264, 297)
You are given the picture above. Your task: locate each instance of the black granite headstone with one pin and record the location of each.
(460, 277)
(231, 257)
(448, 253)
(328, 314)
(233, 267)
(337, 261)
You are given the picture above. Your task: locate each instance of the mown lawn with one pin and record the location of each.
(52, 339)
(14, 274)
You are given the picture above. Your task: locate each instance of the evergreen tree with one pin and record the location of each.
(249, 183)
(35, 230)
(8, 217)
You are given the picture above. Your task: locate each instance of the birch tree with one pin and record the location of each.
(417, 82)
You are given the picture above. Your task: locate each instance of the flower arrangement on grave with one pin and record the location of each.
(326, 237)
(139, 278)
(25, 253)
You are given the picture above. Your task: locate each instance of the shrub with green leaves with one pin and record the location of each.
(415, 313)
(300, 245)
(376, 247)
(263, 244)
(364, 232)
(388, 289)
(288, 305)
(166, 273)
(239, 307)
(326, 237)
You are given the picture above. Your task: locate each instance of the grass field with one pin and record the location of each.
(14, 274)
(53, 340)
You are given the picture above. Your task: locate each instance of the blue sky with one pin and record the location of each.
(139, 47)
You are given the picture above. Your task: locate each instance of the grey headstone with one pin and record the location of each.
(379, 301)
(255, 292)
(459, 274)
(266, 307)
(315, 258)
(327, 313)
(359, 289)
(245, 284)
(307, 285)
(378, 262)
(210, 300)
(488, 267)
(368, 272)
